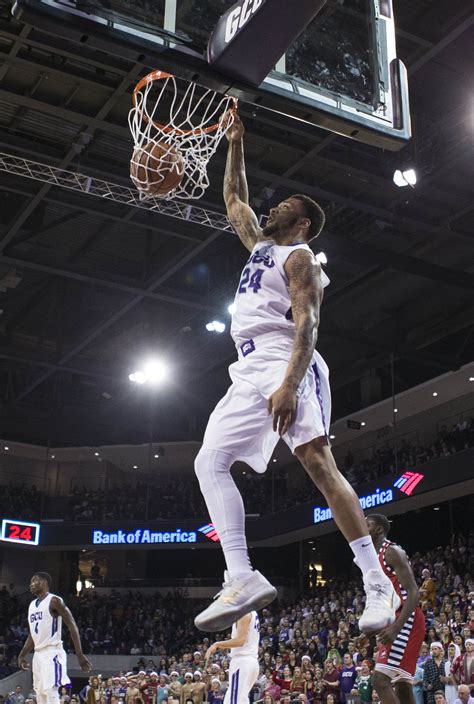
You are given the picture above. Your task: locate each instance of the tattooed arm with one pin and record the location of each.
(306, 293)
(236, 194)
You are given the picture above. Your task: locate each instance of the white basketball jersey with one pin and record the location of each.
(262, 302)
(250, 647)
(45, 629)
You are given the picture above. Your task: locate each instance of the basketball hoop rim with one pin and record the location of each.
(159, 75)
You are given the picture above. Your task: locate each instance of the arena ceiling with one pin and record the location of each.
(89, 287)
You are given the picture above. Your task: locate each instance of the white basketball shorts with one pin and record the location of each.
(49, 669)
(243, 673)
(240, 423)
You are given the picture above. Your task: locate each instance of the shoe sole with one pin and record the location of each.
(397, 602)
(222, 621)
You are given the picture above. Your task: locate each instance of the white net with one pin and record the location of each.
(176, 127)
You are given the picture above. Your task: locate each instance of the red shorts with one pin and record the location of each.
(398, 661)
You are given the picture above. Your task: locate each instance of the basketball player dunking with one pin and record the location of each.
(45, 616)
(400, 643)
(244, 668)
(280, 389)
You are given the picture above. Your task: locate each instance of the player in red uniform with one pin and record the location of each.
(400, 643)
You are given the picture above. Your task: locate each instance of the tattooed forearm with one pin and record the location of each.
(303, 348)
(304, 275)
(235, 181)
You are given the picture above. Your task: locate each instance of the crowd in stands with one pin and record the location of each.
(20, 501)
(309, 651)
(263, 493)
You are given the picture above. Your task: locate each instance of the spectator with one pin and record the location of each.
(331, 679)
(363, 684)
(347, 678)
(200, 689)
(17, 696)
(427, 590)
(93, 692)
(463, 666)
(464, 696)
(450, 686)
(187, 690)
(439, 697)
(434, 671)
(418, 685)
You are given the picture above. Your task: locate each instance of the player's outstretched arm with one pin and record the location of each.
(27, 648)
(243, 625)
(306, 292)
(236, 194)
(59, 608)
(398, 561)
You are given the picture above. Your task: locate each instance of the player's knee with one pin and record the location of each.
(317, 464)
(210, 463)
(381, 681)
(202, 464)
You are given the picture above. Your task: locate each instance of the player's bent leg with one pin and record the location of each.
(404, 690)
(384, 688)
(382, 601)
(245, 590)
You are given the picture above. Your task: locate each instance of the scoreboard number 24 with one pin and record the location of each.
(20, 532)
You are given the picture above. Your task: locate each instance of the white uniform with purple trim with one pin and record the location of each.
(49, 659)
(243, 670)
(263, 331)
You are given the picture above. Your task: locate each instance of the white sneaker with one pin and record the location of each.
(237, 598)
(381, 604)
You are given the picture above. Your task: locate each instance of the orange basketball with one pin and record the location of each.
(157, 168)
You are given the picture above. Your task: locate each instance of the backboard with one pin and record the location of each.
(341, 74)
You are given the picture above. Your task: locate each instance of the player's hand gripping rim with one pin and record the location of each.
(282, 406)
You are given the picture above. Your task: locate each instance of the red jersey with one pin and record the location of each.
(399, 659)
(402, 593)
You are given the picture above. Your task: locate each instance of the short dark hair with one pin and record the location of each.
(314, 212)
(46, 576)
(380, 521)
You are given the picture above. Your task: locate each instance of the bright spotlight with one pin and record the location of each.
(404, 178)
(215, 326)
(154, 371)
(231, 308)
(322, 258)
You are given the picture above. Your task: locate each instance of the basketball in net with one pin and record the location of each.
(157, 168)
(176, 127)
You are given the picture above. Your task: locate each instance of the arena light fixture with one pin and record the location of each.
(156, 457)
(6, 448)
(153, 372)
(135, 466)
(435, 393)
(215, 326)
(395, 410)
(362, 423)
(231, 308)
(96, 454)
(407, 177)
(471, 378)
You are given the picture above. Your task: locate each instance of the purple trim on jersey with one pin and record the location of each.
(247, 347)
(295, 244)
(319, 395)
(235, 687)
(54, 625)
(55, 660)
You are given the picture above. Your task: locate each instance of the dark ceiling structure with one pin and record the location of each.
(88, 286)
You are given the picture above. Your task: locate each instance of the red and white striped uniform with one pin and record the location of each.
(398, 660)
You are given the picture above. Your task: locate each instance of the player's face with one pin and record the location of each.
(282, 219)
(36, 584)
(372, 528)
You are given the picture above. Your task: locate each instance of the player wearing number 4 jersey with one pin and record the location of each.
(45, 616)
(280, 388)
